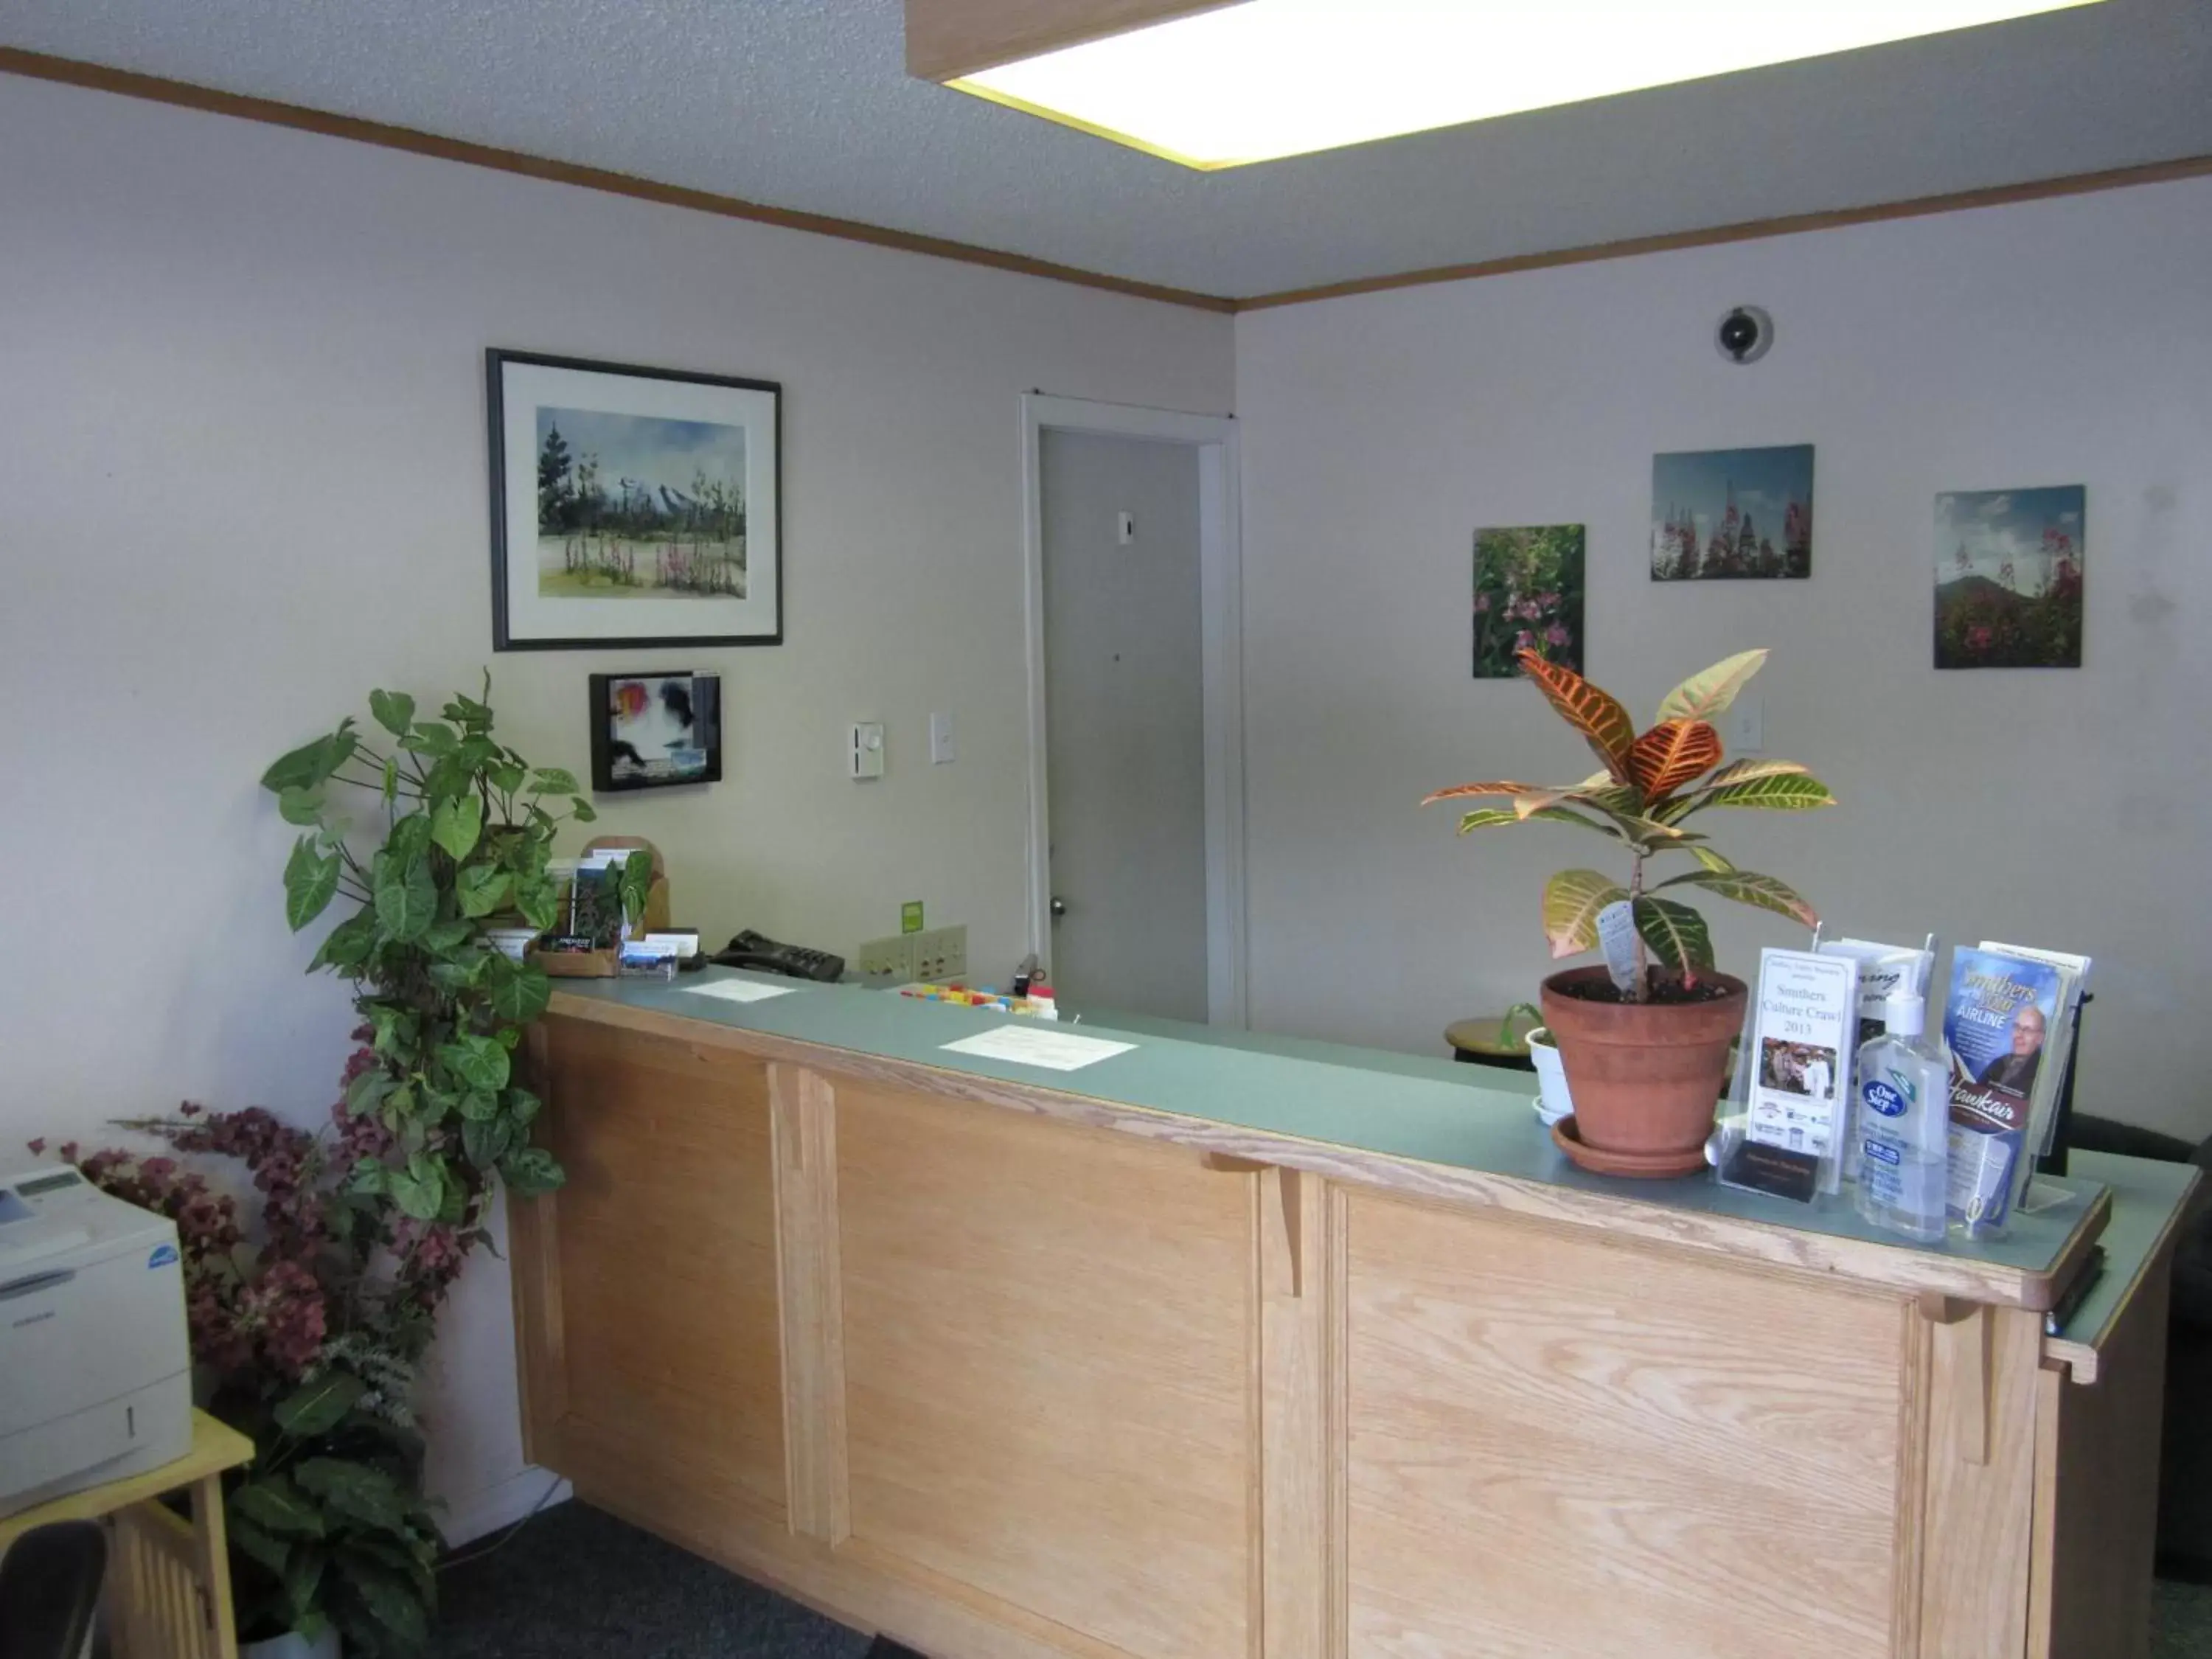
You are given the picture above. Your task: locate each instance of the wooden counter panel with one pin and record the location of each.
(2095, 1537)
(1559, 1447)
(1050, 1350)
(664, 1238)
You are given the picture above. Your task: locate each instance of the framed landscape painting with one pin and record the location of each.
(1722, 515)
(1527, 597)
(2009, 571)
(632, 507)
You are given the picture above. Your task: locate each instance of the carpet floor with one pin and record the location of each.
(576, 1581)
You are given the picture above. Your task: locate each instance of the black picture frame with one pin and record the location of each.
(604, 780)
(514, 629)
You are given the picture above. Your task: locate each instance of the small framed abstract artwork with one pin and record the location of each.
(1722, 515)
(632, 507)
(2010, 568)
(650, 730)
(1527, 597)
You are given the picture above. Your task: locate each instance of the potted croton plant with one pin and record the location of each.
(1645, 1060)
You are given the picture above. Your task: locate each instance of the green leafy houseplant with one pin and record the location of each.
(467, 833)
(1653, 783)
(332, 1522)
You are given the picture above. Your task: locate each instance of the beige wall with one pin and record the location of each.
(242, 481)
(2062, 342)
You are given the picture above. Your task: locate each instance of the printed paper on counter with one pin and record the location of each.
(1026, 1045)
(740, 990)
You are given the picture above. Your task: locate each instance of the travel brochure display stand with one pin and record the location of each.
(2011, 1018)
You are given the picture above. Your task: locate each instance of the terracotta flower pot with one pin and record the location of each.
(1645, 1076)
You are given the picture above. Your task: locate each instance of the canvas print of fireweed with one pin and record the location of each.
(1719, 513)
(2009, 578)
(638, 507)
(1527, 597)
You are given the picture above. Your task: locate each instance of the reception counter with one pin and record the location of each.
(1229, 1346)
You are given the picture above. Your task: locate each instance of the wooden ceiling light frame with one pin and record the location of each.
(946, 40)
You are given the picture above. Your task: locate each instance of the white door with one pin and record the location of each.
(1125, 723)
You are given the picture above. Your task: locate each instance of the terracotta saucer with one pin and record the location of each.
(1645, 1164)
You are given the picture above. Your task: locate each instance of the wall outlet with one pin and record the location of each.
(940, 954)
(893, 956)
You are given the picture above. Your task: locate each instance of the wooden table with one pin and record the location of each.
(167, 1593)
(1482, 1042)
(1240, 1347)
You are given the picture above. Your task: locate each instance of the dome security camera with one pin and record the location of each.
(1745, 335)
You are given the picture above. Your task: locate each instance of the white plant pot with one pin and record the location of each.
(293, 1645)
(1553, 1101)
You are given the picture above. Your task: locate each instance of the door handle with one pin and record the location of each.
(1058, 907)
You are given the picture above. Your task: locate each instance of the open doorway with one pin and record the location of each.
(1136, 837)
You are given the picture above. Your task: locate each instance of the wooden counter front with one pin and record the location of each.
(1004, 1385)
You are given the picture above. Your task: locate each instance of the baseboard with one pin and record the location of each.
(518, 1495)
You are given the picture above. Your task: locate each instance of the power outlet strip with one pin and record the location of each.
(893, 957)
(940, 954)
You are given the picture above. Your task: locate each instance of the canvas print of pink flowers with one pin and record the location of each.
(1527, 597)
(1722, 514)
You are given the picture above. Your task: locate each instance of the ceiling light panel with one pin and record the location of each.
(1270, 78)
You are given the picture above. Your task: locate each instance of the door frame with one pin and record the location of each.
(1221, 620)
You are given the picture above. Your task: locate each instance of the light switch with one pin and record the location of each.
(865, 753)
(1746, 727)
(1125, 528)
(940, 739)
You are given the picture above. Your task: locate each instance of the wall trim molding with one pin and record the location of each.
(1752, 230)
(154, 88)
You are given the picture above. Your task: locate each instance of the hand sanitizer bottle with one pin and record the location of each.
(1903, 1124)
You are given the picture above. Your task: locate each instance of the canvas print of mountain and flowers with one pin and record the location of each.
(2009, 578)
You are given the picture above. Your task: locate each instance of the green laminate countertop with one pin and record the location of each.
(1402, 1106)
(2147, 1198)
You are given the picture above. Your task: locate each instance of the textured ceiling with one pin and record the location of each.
(805, 104)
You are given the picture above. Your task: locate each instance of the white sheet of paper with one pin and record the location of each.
(1031, 1045)
(740, 990)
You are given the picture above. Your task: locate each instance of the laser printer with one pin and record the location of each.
(95, 1372)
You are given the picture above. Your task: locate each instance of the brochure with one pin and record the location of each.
(1997, 1020)
(1798, 1053)
(2058, 1047)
